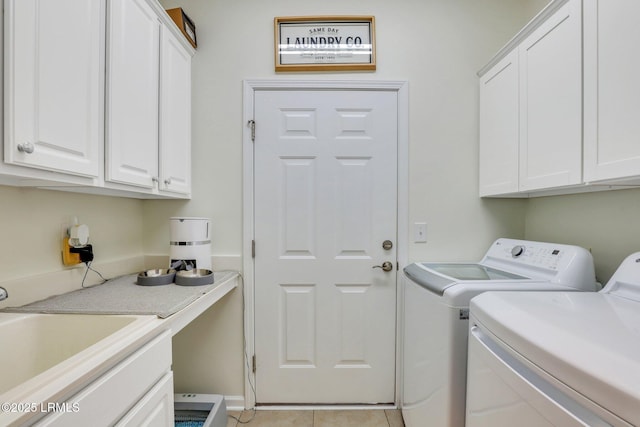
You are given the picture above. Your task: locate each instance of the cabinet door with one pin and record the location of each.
(611, 89)
(499, 128)
(132, 93)
(55, 84)
(175, 115)
(128, 385)
(154, 409)
(551, 102)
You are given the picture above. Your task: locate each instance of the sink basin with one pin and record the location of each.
(33, 344)
(48, 357)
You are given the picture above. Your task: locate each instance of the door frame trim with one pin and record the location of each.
(250, 87)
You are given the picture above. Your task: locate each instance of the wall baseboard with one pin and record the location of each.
(234, 403)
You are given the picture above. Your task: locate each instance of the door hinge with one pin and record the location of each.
(252, 125)
(253, 249)
(253, 363)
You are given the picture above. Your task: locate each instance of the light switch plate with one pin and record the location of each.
(420, 232)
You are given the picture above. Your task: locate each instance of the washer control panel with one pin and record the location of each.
(567, 265)
(537, 254)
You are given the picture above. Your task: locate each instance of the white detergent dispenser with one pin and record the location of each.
(190, 244)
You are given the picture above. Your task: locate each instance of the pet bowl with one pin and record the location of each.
(159, 276)
(196, 277)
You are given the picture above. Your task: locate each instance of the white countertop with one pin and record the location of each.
(66, 378)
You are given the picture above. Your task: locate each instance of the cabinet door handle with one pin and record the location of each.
(155, 179)
(27, 148)
(167, 181)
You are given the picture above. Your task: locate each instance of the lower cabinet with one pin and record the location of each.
(155, 408)
(137, 391)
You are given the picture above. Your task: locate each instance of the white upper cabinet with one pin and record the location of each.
(578, 102)
(551, 102)
(97, 98)
(148, 101)
(611, 90)
(499, 127)
(133, 93)
(175, 115)
(531, 107)
(54, 81)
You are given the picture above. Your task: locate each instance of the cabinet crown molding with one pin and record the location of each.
(538, 20)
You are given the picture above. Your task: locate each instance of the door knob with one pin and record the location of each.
(386, 266)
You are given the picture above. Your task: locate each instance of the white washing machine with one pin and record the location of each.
(557, 359)
(436, 307)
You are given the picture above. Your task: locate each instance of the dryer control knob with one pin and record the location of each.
(517, 251)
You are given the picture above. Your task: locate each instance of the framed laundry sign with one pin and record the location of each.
(325, 43)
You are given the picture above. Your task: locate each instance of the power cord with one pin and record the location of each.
(246, 359)
(246, 354)
(88, 264)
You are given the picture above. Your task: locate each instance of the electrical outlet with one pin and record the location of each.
(69, 258)
(85, 252)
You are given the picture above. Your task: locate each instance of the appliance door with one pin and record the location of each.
(504, 388)
(437, 277)
(434, 359)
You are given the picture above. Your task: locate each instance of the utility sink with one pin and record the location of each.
(48, 357)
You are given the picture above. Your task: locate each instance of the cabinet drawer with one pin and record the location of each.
(107, 399)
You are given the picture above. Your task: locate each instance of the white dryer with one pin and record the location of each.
(436, 307)
(557, 359)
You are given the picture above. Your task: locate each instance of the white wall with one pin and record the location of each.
(436, 45)
(604, 222)
(532, 7)
(32, 223)
(32, 226)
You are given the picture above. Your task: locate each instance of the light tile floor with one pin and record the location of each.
(318, 418)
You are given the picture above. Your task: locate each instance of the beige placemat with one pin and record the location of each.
(122, 296)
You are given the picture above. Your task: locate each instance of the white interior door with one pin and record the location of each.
(325, 200)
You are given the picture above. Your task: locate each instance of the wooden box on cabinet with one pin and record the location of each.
(185, 24)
